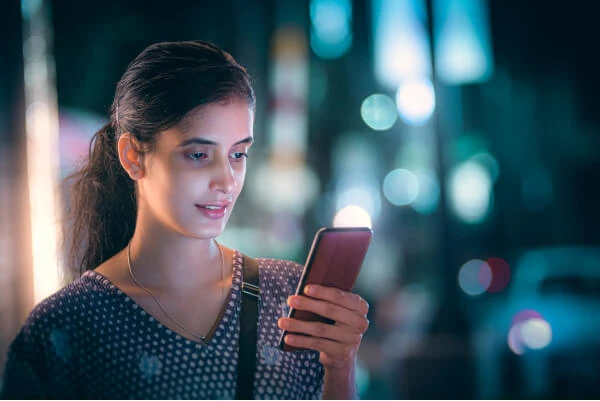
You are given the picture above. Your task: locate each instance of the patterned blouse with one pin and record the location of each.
(91, 340)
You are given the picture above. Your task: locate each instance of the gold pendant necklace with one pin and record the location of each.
(182, 327)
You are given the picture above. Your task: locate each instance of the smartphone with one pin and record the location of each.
(334, 260)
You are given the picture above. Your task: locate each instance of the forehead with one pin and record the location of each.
(224, 119)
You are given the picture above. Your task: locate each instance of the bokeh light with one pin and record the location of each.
(297, 187)
(515, 340)
(33, 47)
(474, 277)
(30, 8)
(41, 151)
(415, 100)
(500, 274)
(470, 192)
(365, 196)
(331, 34)
(400, 187)
(529, 330)
(352, 216)
(428, 195)
(524, 315)
(536, 333)
(463, 50)
(401, 44)
(379, 112)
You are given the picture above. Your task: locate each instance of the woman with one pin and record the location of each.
(156, 312)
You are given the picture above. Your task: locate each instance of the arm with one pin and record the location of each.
(339, 384)
(338, 343)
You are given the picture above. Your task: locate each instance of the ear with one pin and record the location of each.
(130, 157)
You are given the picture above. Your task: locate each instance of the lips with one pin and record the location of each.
(211, 207)
(213, 210)
(214, 205)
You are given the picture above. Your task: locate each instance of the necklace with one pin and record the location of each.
(182, 327)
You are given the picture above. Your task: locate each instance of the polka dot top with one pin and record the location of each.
(91, 340)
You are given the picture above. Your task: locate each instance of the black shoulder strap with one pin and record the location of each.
(249, 317)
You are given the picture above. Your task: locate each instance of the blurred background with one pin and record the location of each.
(464, 132)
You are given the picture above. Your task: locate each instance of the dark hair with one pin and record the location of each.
(160, 86)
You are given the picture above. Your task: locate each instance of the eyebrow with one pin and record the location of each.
(202, 141)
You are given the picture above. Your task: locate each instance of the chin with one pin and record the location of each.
(207, 231)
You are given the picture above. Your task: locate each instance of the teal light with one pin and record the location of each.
(401, 187)
(29, 8)
(463, 51)
(330, 33)
(474, 277)
(400, 41)
(379, 112)
(415, 100)
(470, 192)
(428, 197)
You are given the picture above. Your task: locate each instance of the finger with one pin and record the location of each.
(329, 347)
(346, 299)
(338, 314)
(322, 330)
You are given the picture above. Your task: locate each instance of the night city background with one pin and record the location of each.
(464, 132)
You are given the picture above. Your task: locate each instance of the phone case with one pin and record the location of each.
(334, 260)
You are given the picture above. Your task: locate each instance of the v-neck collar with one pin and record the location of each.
(224, 322)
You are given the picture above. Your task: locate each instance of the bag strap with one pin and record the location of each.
(248, 322)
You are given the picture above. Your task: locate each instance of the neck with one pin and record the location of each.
(171, 262)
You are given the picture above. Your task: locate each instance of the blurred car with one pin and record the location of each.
(540, 339)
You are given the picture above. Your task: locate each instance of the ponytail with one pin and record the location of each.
(102, 211)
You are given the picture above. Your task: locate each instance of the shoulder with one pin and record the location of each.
(62, 319)
(278, 279)
(45, 346)
(280, 272)
(89, 288)
(66, 306)
(280, 267)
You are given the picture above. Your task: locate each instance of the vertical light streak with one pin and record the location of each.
(400, 42)
(41, 147)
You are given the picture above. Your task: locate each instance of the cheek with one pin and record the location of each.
(162, 177)
(240, 178)
(165, 180)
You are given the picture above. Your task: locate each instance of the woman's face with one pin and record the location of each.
(196, 172)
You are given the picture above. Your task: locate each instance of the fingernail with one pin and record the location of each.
(309, 289)
(289, 340)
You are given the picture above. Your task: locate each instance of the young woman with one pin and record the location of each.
(156, 311)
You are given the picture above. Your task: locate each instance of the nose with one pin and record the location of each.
(222, 179)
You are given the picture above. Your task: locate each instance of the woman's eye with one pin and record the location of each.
(239, 155)
(197, 156)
